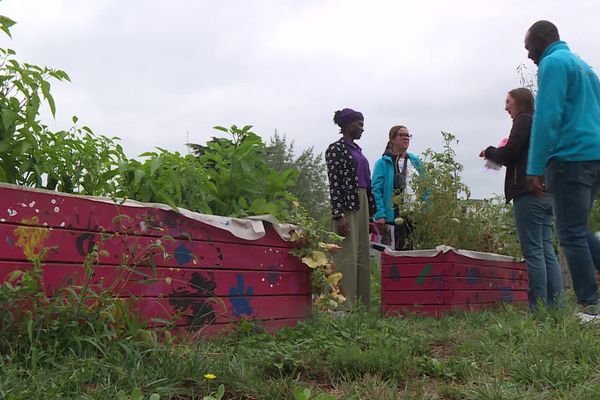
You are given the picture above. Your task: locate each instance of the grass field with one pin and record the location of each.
(503, 353)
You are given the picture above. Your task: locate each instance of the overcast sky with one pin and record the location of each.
(150, 71)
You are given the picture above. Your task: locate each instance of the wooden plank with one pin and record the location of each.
(450, 283)
(20, 205)
(467, 283)
(433, 282)
(387, 259)
(453, 296)
(506, 295)
(68, 246)
(450, 257)
(148, 282)
(423, 271)
(461, 259)
(416, 297)
(189, 304)
(200, 311)
(477, 272)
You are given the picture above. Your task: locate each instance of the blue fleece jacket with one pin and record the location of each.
(566, 122)
(382, 184)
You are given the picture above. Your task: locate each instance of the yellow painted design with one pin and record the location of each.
(31, 238)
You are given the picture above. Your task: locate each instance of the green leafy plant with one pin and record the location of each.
(167, 177)
(76, 161)
(306, 394)
(73, 161)
(246, 185)
(315, 248)
(226, 177)
(23, 87)
(136, 395)
(218, 395)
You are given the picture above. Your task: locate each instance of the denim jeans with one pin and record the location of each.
(574, 185)
(533, 217)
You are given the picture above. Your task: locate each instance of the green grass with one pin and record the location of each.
(500, 354)
(73, 352)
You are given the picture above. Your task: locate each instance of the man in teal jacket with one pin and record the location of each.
(565, 146)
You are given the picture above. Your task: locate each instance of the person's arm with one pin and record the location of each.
(377, 183)
(335, 178)
(332, 154)
(550, 101)
(518, 140)
(535, 184)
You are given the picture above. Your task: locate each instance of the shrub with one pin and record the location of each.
(444, 213)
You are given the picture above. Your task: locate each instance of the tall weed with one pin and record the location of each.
(445, 214)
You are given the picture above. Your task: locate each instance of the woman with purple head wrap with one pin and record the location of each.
(351, 205)
(346, 117)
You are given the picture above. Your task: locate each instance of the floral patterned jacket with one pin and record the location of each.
(343, 180)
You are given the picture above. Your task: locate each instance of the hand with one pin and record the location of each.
(373, 229)
(341, 227)
(381, 226)
(536, 185)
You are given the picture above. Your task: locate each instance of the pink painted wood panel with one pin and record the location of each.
(431, 268)
(448, 297)
(468, 283)
(148, 282)
(51, 209)
(489, 296)
(411, 297)
(411, 284)
(447, 282)
(164, 265)
(69, 246)
(451, 283)
(510, 270)
(189, 311)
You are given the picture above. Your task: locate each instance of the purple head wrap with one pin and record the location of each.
(347, 116)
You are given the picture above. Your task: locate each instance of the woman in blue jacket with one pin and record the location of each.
(392, 175)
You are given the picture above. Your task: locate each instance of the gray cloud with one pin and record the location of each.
(150, 71)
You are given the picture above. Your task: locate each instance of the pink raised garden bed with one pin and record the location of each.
(209, 271)
(435, 282)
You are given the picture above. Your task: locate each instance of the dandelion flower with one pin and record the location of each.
(210, 376)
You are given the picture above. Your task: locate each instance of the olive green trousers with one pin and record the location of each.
(353, 260)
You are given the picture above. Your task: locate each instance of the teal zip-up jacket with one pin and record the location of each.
(566, 122)
(382, 184)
